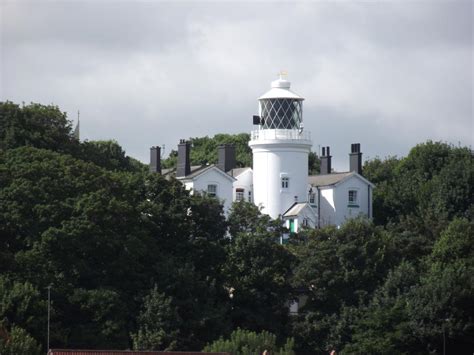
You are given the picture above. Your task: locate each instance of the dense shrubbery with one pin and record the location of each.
(135, 261)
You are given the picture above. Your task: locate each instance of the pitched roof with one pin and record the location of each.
(237, 171)
(327, 179)
(295, 209)
(171, 172)
(334, 179)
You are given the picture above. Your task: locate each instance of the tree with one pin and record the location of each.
(205, 150)
(34, 125)
(442, 305)
(313, 163)
(257, 271)
(243, 342)
(337, 272)
(384, 326)
(21, 303)
(158, 323)
(245, 217)
(109, 155)
(18, 341)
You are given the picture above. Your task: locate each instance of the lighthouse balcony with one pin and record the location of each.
(280, 134)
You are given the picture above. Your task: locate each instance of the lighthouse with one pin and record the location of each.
(280, 148)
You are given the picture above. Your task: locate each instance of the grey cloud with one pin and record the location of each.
(386, 74)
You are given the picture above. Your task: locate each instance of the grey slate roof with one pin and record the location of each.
(295, 209)
(237, 171)
(196, 170)
(328, 179)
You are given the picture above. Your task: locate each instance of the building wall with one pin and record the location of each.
(224, 186)
(327, 208)
(244, 181)
(271, 162)
(343, 210)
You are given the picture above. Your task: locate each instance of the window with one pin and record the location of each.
(352, 197)
(239, 194)
(312, 199)
(285, 182)
(212, 190)
(250, 196)
(305, 222)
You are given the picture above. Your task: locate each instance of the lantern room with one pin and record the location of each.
(280, 108)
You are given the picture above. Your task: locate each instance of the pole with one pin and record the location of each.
(49, 314)
(444, 339)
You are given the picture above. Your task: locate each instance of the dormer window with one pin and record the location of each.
(212, 190)
(285, 182)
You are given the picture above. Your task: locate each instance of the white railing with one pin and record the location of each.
(264, 134)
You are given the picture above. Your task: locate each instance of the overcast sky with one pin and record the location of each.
(385, 74)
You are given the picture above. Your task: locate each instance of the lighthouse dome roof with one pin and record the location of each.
(280, 90)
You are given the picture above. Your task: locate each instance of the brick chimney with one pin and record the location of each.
(184, 162)
(325, 167)
(355, 159)
(226, 157)
(155, 160)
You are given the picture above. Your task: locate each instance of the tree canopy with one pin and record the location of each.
(135, 261)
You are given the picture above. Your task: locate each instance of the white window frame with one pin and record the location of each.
(285, 182)
(211, 187)
(312, 198)
(353, 197)
(250, 196)
(239, 194)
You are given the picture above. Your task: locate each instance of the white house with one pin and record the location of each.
(340, 196)
(278, 182)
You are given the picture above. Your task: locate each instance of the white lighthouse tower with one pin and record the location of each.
(280, 150)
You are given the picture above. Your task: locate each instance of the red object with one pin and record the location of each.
(125, 352)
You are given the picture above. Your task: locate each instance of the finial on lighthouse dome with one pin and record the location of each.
(281, 89)
(282, 81)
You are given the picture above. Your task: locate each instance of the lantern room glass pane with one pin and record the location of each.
(281, 113)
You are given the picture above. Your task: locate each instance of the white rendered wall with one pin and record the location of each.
(273, 159)
(341, 197)
(224, 186)
(244, 181)
(327, 208)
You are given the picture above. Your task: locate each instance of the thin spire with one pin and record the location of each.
(76, 132)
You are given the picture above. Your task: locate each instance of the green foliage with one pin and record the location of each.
(133, 257)
(245, 217)
(157, 323)
(425, 190)
(21, 303)
(109, 155)
(342, 266)
(46, 127)
(204, 151)
(257, 272)
(18, 341)
(244, 342)
(34, 125)
(100, 318)
(314, 164)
